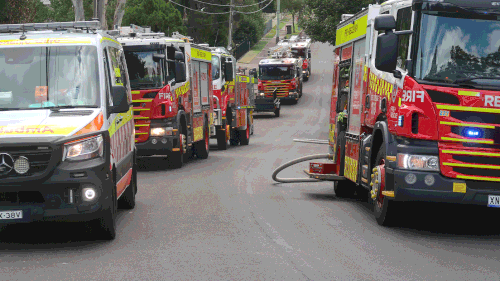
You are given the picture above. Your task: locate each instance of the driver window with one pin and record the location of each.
(403, 22)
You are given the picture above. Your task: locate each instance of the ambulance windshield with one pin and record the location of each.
(456, 50)
(143, 71)
(276, 72)
(44, 77)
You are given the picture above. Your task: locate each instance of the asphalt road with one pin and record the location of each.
(224, 219)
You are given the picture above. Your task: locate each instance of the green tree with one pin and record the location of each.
(320, 17)
(157, 14)
(293, 7)
(22, 11)
(249, 25)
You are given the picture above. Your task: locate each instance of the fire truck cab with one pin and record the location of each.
(415, 104)
(283, 74)
(171, 88)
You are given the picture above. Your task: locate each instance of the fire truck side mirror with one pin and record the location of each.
(386, 55)
(158, 57)
(180, 72)
(179, 56)
(228, 72)
(253, 73)
(384, 23)
(309, 54)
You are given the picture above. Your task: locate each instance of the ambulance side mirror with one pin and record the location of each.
(120, 101)
(386, 54)
(228, 72)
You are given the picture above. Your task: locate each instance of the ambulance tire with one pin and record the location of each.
(221, 140)
(386, 211)
(127, 200)
(202, 148)
(107, 222)
(277, 112)
(245, 135)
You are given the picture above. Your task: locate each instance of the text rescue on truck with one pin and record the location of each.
(415, 105)
(171, 89)
(67, 147)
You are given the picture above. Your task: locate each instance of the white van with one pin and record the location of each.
(67, 149)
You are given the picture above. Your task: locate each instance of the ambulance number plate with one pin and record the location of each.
(11, 215)
(494, 201)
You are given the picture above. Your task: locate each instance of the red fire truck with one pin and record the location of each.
(301, 48)
(415, 105)
(233, 100)
(171, 89)
(283, 74)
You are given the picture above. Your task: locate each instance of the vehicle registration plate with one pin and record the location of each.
(10, 215)
(494, 201)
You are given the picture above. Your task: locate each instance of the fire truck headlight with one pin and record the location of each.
(418, 162)
(160, 131)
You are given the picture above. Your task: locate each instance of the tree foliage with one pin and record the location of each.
(22, 11)
(320, 17)
(293, 7)
(157, 14)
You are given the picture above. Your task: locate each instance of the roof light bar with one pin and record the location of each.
(9, 28)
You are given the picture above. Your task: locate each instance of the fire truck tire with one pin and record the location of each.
(344, 189)
(107, 222)
(221, 140)
(277, 112)
(306, 78)
(386, 211)
(127, 200)
(177, 157)
(245, 136)
(202, 148)
(235, 137)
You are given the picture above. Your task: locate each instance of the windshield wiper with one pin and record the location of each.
(466, 80)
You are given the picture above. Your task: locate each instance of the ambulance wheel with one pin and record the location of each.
(277, 112)
(386, 211)
(245, 135)
(107, 222)
(127, 200)
(202, 148)
(177, 157)
(235, 137)
(344, 189)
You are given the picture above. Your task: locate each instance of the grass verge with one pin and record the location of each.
(256, 49)
(272, 32)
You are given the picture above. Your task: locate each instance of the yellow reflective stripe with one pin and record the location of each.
(467, 108)
(201, 54)
(141, 117)
(141, 125)
(478, 178)
(109, 39)
(388, 193)
(471, 153)
(45, 41)
(472, 166)
(135, 92)
(470, 94)
(141, 109)
(467, 140)
(467, 125)
(142, 100)
(141, 133)
(126, 117)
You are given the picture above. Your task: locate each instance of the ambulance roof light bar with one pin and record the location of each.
(10, 28)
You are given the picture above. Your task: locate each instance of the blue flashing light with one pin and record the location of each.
(472, 132)
(401, 120)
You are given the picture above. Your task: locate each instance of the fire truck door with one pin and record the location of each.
(204, 87)
(196, 87)
(355, 110)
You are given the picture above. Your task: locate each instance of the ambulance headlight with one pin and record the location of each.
(83, 149)
(418, 162)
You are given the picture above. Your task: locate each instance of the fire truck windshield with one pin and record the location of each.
(276, 72)
(215, 67)
(143, 71)
(299, 52)
(454, 50)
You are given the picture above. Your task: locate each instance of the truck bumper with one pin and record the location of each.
(157, 145)
(264, 104)
(445, 190)
(291, 96)
(60, 196)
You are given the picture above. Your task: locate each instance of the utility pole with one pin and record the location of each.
(230, 38)
(278, 24)
(96, 15)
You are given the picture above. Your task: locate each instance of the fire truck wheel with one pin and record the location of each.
(221, 140)
(107, 222)
(386, 211)
(177, 157)
(127, 200)
(306, 78)
(202, 148)
(277, 112)
(245, 136)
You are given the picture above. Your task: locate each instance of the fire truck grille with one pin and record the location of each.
(38, 160)
(143, 103)
(480, 165)
(476, 117)
(282, 89)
